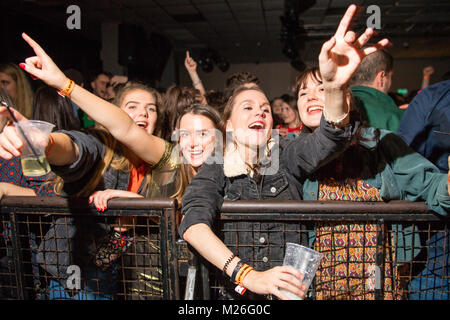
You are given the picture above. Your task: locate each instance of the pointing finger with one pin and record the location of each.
(33, 44)
(345, 21)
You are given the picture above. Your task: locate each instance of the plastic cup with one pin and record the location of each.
(303, 259)
(34, 135)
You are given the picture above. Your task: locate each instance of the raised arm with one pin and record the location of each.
(191, 67)
(427, 72)
(148, 147)
(338, 60)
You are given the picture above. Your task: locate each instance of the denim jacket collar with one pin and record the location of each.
(233, 165)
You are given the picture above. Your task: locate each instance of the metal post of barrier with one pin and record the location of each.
(17, 256)
(379, 271)
(169, 260)
(205, 282)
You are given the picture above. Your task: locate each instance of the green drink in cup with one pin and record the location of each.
(35, 135)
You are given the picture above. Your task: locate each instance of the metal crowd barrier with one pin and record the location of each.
(52, 247)
(373, 250)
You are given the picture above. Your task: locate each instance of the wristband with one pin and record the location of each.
(236, 270)
(68, 88)
(426, 77)
(244, 274)
(52, 144)
(240, 289)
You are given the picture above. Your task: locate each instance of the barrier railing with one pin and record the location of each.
(56, 248)
(372, 250)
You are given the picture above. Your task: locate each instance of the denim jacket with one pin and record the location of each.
(215, 183)
(401, 174)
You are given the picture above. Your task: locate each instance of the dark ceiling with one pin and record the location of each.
(250, 30)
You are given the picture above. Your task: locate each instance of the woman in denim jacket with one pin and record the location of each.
(378, 166)
(252, 156)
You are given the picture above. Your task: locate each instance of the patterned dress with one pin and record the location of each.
(11, 172)
(348, 270)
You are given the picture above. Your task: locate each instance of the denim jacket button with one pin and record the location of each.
(265, 259)
(273, 189)
(262, 240)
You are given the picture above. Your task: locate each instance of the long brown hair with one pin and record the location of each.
(23, 101)
(228, 110)
(201, 110)
(175, 100)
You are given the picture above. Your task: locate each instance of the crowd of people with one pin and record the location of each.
(339, 135)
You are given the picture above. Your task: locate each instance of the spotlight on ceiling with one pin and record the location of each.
(209, 57)
(205, 60)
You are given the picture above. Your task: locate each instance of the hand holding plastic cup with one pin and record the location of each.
(303, 259)
(35, 135)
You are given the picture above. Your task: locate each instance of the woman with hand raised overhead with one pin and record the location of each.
(256, 167)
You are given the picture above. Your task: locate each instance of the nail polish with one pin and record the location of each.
(22, 65)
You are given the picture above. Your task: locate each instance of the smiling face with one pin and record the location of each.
(141, 107)
(197, 136)
(251, 118)
(310, 102)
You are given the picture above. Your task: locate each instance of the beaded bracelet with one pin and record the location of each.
(227, 263)
(68, 89)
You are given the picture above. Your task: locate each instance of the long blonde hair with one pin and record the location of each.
(23, 101)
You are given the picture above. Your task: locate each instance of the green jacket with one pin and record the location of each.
(401, 174)
(377, 109)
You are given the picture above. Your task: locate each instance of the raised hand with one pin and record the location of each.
(428, 71)
(42, 66)
(190, 63)
(341, 55)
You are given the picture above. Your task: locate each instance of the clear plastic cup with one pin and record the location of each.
(35, 135)
(303, 259)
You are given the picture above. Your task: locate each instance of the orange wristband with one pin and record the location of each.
(241, 270)
(52, 144)
(426, 77)
(244, 274)
(68, 89)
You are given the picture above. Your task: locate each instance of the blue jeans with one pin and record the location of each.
(96, 285)
(433, 282)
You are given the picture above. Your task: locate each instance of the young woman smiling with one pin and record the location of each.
(251, 170)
